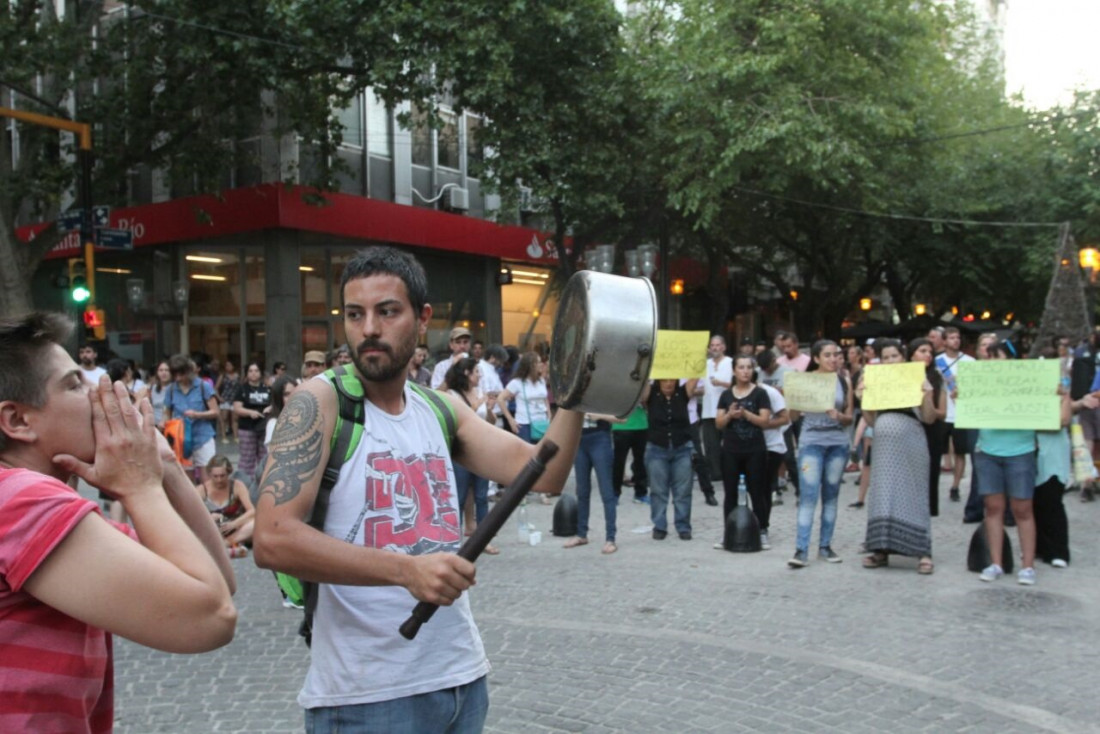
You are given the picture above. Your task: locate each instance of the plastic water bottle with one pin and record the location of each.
(524, 528)
(742, 492)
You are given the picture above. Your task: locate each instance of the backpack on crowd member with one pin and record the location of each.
(345, 440)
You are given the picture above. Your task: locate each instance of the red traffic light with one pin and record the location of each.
(93, 318)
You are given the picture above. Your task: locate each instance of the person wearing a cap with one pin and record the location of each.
(460, 345)
(313, 364)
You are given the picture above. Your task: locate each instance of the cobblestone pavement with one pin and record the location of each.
(672, 636)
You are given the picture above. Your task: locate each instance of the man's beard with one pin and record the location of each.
(379, 368)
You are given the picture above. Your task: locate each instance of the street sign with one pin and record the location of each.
(69, 221)
(73, 219)
(114, 239)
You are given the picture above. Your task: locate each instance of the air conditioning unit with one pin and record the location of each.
(526, 201)
(458, 198)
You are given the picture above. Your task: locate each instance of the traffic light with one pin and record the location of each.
(78, 280)
(95, 324)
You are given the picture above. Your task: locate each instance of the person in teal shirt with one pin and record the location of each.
(1005, 464)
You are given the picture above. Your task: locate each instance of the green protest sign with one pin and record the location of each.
(1012, 394)
(810, 392)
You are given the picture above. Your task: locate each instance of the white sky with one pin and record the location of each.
(1051, 46)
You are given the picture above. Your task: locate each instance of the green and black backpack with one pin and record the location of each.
(345, 440)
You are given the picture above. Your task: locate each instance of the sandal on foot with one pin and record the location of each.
(492, 550)
(925, 566)
(876, 560)
(574, 542)
(609, 547)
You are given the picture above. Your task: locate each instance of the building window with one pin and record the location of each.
(213, 280)
(351, 118)
(421, 137)
(379, 127)
(313, 272)
(475, 151)
(448, 140)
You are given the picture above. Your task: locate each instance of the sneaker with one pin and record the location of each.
(1026, 576)
(825, 553)
(992, 573)
(711, 499)
(801, 558)
(685, 535)
(777, 499)
(955, 494)
(659, 534)
(764, 544)
(643, 500)
(719, 546)
(288, 604)
(857, 504)
(1059, 563)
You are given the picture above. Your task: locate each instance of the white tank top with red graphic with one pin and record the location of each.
(396, 493)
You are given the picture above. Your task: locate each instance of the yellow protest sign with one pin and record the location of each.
(680, 354)
(1015, 394)
(887, 386)
(810, 392)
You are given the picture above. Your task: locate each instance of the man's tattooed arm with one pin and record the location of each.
(295, 448)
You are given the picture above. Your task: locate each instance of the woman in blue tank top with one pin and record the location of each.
(822, 453)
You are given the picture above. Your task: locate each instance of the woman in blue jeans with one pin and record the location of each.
(595, 451)
(668, 455)
(822, 453)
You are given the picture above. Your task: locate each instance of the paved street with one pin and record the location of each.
(673, 636)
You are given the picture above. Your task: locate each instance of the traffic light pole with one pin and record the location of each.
(83, 132)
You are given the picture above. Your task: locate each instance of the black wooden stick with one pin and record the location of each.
(489, 527)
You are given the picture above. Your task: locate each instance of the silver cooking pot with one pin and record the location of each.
(605, 333)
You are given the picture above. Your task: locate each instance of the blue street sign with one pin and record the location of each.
(114, 239)
(72, 220)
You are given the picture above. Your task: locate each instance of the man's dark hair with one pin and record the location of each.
(179, 364)
(498, 352)
(23, 340)
(765, 359)
(389, 261)
(116, 369)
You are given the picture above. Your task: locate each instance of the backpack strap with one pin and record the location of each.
(444, 411)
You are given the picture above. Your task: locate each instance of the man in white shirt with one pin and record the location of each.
(962, 440)
(460, 345)
(88, 367)
(490, 383)
(719, 377)
(791, 356)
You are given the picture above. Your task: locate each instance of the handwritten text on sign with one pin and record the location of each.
(810, 392)
(887, 386)
(1013, 394)
(680, 354)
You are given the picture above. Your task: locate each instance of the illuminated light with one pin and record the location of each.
(535, 313)
(985, 315)
(115, 271)
(865, 304)
(1065, 262)
(794, 295)
(305, 268)
(481, 324)
(1009, 316)
(530, 274)
(954, 310)
(335, 312)
(528, 281)
(920, 309)
(466, 324)
(219, 278)
(676, 287)
(1089, 258)
(969, 317)
(202, 259)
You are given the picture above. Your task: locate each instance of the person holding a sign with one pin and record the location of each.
(898, 517)
(744, 411)
(822, 452)
(1005, 465)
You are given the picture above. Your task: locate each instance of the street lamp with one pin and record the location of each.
(1089, 259)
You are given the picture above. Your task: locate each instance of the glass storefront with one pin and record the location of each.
(528, 306)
